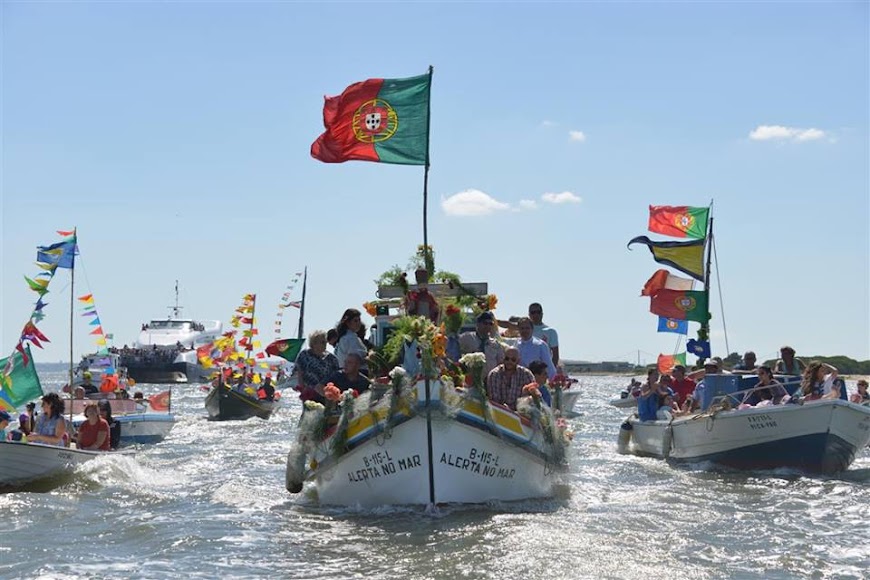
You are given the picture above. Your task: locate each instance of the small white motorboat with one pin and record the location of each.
(22, 463)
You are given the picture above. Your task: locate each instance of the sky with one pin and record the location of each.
(175, 137)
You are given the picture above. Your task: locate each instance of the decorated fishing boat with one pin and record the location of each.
(730, 427)
(238, 391)
(165, 350)
(427, 437)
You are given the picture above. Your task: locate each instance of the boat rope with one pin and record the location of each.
(719, 287)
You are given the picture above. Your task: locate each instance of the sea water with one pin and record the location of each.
(210, 502)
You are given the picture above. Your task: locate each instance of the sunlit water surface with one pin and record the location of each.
(210, 502)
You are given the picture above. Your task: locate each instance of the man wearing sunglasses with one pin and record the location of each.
(482, 340)
(504, 383)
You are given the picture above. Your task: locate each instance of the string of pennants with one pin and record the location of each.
(48, 259)
(286, 302)
(89, 310)
(672, 297)
(236, 348)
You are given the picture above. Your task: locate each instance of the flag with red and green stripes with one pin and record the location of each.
(679, 221)
(380, 120)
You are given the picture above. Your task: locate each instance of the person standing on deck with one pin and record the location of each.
(544, 332)
(482, 340)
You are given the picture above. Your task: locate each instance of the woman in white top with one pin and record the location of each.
(348, 339)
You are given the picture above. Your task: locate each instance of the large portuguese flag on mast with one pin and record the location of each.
(679, 221)
(381, 120)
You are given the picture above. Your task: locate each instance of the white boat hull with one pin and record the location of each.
(450, 457)
(628, 402)
(468, 466)
(569, 400)
(145, 427)
(819, 436)
(21, 463)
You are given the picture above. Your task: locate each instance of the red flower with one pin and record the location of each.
(332, 393)
(532, 390)
(355, 393)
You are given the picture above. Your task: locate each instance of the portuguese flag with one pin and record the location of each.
(680, 305)
(381, 120)
(287, 348)
(667, 362)
(679, 221)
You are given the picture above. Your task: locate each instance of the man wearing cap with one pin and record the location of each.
(482, 340)
(713, 366)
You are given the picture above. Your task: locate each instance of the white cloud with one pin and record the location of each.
(472, 202)
(546, 123)
(564, 197)
(780, 133)
(578, 136)
(528, 204)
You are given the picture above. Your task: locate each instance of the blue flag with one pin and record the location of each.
(699, 348)
(62, 254)
(673, 325)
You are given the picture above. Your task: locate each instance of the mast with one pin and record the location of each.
(704, 331)
(300, 329)
(72, 285)
(427, 258)
(176, 310)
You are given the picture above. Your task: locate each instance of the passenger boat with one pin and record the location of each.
(419, 440)
(25, 462)
(165, 350)
(141, 421)
(821, 436)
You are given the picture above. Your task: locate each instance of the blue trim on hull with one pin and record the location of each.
(817, 453)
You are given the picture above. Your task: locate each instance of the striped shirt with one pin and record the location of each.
(505, 388)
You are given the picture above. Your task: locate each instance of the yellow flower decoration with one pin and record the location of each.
(492, 301)
(371, 309)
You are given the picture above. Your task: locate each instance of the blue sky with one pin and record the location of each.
(175, 137)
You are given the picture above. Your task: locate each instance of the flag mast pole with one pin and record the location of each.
(72, 284)
(704, 332)
(427, 257)
(428, 263)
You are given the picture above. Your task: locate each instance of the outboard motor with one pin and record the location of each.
(624, 437)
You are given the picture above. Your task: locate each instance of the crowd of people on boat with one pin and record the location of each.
(154, 354)
(682, 392)
(527, 353)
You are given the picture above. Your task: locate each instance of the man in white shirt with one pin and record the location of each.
(544, 332)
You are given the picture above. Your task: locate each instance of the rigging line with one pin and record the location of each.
(721, 302)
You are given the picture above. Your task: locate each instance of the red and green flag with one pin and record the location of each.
(667, 362)
(680, 305)
(286, 348)
(679, 221)
(380, 120)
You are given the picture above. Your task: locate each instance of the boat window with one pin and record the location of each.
(169, 324)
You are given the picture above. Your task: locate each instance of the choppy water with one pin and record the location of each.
(210, 502)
